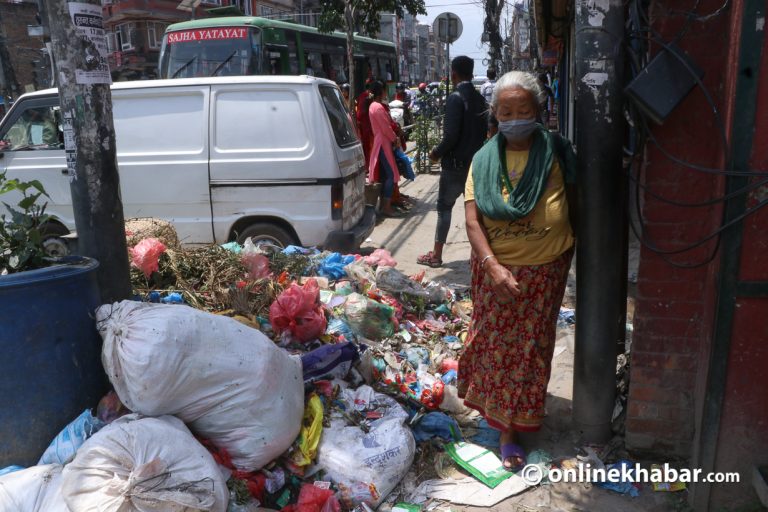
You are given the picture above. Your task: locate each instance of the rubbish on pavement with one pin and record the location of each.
(436, 425)
(255, 261)
(380, 257)
(64, 446)
(230, 383)
(369, 318)
(392, 280)
(36, 489)
(406, 507)
(332, 361)
(371, 457)
(311, 430)
(486, 436)
(361, 272)
(146, 255)
(566, 317)
(314, 499)
(147, 464)
(481, 463)
(666, 486)
(173, 298)
(623, 487)
(468, 491)
(333, 265)
(299, 312)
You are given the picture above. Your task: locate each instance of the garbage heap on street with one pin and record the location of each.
(252, 377)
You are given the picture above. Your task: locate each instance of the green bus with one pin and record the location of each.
(247, 45)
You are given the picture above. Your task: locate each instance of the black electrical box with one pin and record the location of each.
(663, 84)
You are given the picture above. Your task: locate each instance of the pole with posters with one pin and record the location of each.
(80, 53)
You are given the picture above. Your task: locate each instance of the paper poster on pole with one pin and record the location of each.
(87, 20)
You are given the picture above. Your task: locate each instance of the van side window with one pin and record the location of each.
(36, 128)
(341, 122)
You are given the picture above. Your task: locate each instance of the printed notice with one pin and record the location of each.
(88, 23)
(70, 147)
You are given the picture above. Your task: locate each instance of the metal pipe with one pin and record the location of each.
(599, 138)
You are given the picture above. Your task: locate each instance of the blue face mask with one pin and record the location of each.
(517, 129)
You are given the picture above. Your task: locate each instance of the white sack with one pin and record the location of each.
(381, 457)
(140, 464)
(37, 489)
(229, 383)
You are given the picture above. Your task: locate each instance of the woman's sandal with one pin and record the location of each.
(429, 260)
(511, 451)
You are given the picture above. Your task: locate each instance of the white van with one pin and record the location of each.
(226, 158)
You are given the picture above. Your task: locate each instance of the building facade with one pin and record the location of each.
(24, 63)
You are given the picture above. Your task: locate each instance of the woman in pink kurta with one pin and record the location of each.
(382, 154)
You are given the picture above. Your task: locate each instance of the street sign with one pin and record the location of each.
(447, 27)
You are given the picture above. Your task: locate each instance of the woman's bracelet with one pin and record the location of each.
(482, 262)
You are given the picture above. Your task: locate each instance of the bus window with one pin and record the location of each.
(276, 60)
(315, 65)
(338, 68)
(293, 53)
(210, 51)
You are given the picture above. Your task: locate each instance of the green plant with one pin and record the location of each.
(21, 235)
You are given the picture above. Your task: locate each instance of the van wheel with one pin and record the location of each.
(55, 246)
(265, 233)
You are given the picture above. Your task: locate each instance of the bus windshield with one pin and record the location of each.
(214, 51)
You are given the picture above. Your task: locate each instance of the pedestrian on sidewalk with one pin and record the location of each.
(382, 166)
(487, 88)
(464, 132)
(520, 212)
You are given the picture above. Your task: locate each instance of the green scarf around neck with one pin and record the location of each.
(490, 177)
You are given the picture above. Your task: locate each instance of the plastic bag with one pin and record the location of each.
(311, 431)
(394, 281)
(368, 318)
(360, 272)
(37, 489)
(381, 257)
(373, 462)
(145, 255)
(64, 446)
(256, 263)
(144, 464)
(338, 327)
(332, 266)
(329, 360)
(230, 383)
(298, 310)
(314, 499)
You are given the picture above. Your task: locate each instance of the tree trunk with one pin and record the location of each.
(79, 48)
(349, 18)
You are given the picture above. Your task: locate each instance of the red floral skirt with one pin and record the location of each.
(505, 367)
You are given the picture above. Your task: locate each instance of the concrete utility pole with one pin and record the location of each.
(599, 260)
(79, 49)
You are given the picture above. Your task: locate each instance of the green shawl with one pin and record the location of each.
(490, 174)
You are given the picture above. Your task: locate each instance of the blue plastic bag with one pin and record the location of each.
(486, 436)
(624, 487)
(338, 327)
(10, 469)
(173, 298)
(332, 266)
(436, 425)
(329, 361)
(64, 446)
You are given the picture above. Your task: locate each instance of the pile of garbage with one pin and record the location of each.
(251, 377)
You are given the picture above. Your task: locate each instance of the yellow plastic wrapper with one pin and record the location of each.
(309, 437)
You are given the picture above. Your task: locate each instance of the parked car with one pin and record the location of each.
(274, 158)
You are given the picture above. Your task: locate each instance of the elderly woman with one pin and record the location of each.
(519, 194)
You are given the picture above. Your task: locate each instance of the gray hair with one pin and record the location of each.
(518, 80)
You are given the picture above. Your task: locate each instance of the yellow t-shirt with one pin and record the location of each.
(541, 236)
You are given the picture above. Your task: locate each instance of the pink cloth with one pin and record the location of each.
(383, 138)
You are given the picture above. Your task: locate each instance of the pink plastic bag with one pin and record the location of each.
(256, 263)
(145, 255)
(299, 311)
(314, 499)
(381, 257)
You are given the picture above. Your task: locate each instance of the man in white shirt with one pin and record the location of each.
(487, 88)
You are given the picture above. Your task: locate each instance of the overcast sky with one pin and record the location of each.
(472, 15)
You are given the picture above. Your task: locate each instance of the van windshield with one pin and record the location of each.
(215, 51)
(338, 115)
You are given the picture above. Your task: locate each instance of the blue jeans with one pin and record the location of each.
(386, 176)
